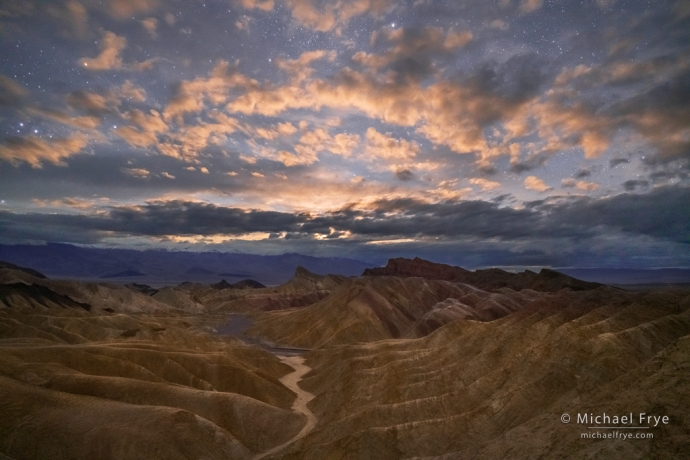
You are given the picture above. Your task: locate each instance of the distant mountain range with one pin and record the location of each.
(161, 267)
(624, 276)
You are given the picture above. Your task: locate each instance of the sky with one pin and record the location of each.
(482, 133)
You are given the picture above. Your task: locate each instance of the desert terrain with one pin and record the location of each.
(414, 360)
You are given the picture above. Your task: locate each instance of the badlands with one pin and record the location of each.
(414, 360)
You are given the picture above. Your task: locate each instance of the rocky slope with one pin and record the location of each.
(406, 299)
(368, 309)
(87, 383)
(492, 390)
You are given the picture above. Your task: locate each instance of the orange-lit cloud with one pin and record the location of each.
(527, 6)
(485, 184)
(150, 24)
(139, 173)
(109, 59)
(188, 141)
(132, 92)
(300, 68)
(380, 145)
(580, 185)
(123, 9)
(35, 151)
(265, 5)
(536, 184)
(190, 95)
(146, 129)
(334, 14)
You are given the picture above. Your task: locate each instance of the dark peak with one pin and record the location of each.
(551, 280)
(222, 285)
(301, 272)
(417, 268)
(248, 284)
(22, 269)
(550, 274)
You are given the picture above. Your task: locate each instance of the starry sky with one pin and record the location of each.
(510, 133)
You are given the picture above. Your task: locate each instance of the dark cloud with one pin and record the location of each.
(11, 92)
(579, 218)
(404, 175)
(91, 103)
(618, 161)
(518, 79)
(582, 173)
(634, 184)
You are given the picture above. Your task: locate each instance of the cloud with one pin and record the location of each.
(300, 69)
(661, 115)
(320, 19)
(94, 104)
(580, 185)
(189, 96)
(69, 202)
(286, 128)
(582, 173)
(445, 112)
(35, 151)
(130, 91)
(265, 5)
(11, 92)
(499, 24)
(145, 130)
(484, 184)
(618, 221)
(618, 161)
(404, 175)
(123, 9)
(88, 122)
(109, 59)
(71, 16)
(139, 173)
(536, 184)
(150, 24)
(527, 6)
(564, 125)
(188, 142)
(331, 15)
(634, 184)
(311, 143)
(410, 52)
(383, 146)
